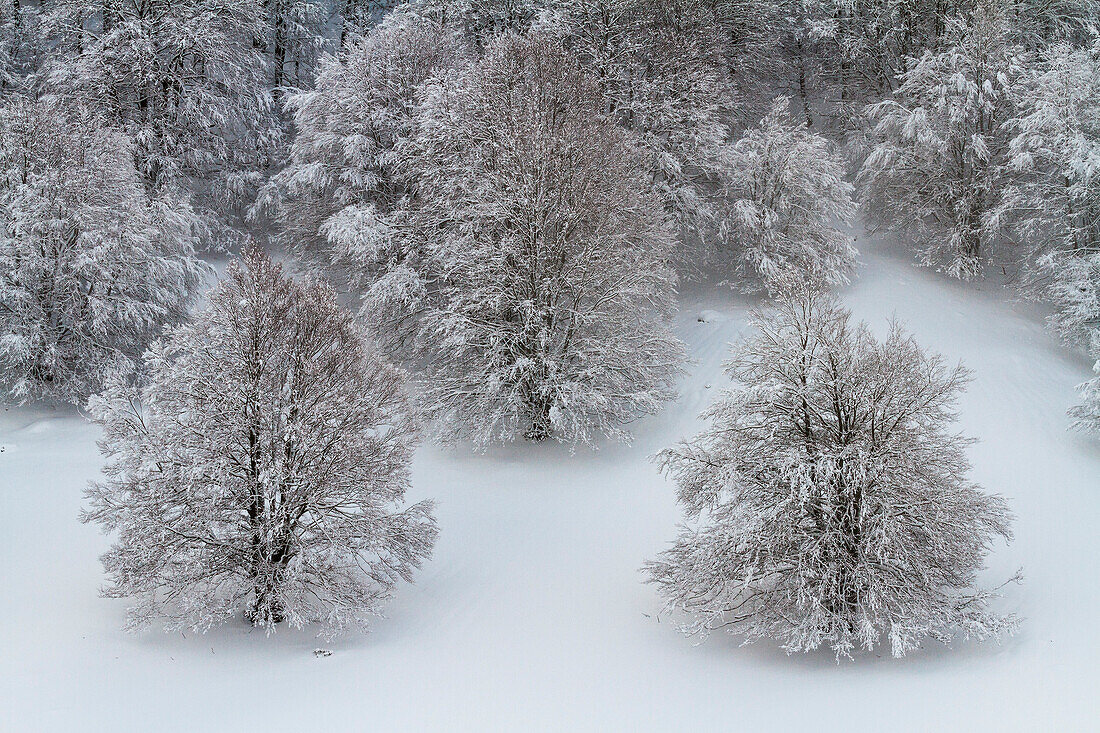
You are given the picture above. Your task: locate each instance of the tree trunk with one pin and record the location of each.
(539, 411)
(802, 86)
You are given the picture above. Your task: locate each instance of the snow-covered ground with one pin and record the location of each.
(532, 614)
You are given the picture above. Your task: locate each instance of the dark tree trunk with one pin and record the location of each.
(802, 85)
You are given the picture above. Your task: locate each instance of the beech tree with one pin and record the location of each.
(357, 17)
(664, 72)
(481, 21)
(91, 268)
(939, 144)
(842, 53)
(828, 497)
(186, 81)
(259, 464)
(342, 200)
(9, 25)
(785, 193)
(1055, 204)
(548, 288)
(1086, 416)
(21, 46)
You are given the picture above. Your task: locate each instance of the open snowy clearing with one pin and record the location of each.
(532, 614)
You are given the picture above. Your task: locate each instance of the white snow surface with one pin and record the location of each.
(532, 614)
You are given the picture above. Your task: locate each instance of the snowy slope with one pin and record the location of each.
(532, 615)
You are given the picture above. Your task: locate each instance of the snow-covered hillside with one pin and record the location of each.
(532, 614)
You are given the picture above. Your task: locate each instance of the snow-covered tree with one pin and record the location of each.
(186, 80)
(481, 21)
(856, 50)
(9, 41)
(1055, 155)
(341, 200)
(939, 145)
(259, 465)
(1086, 416)
(357, 17)
(1041, 23)
(295, 38)
(829, 497)
(784, 196)
(91, 268)
(664, 72)
(546, 254)
(1073, 285)
(21, 46)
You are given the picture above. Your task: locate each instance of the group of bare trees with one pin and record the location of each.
(512, 190)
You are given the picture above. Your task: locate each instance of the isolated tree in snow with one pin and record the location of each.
(186, 81)
(829, 497)
(91, 269)
(938, 146)
(785, 194)
(259, 464)
(342, 200)
(1055, 155)
(546, 254)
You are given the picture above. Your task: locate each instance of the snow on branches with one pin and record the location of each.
(939, 144)
(258, 465)
(664, 72)
(91, 269)
(186, 80)
(546, 254)
(341, 200)
(785, 194)
(829, 499)
(1055, 204)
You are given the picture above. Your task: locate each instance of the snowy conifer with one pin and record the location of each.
(91, 269)
(546, 254)
(829, 498)
(258, 465)
(939, 143)
(785, 194)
